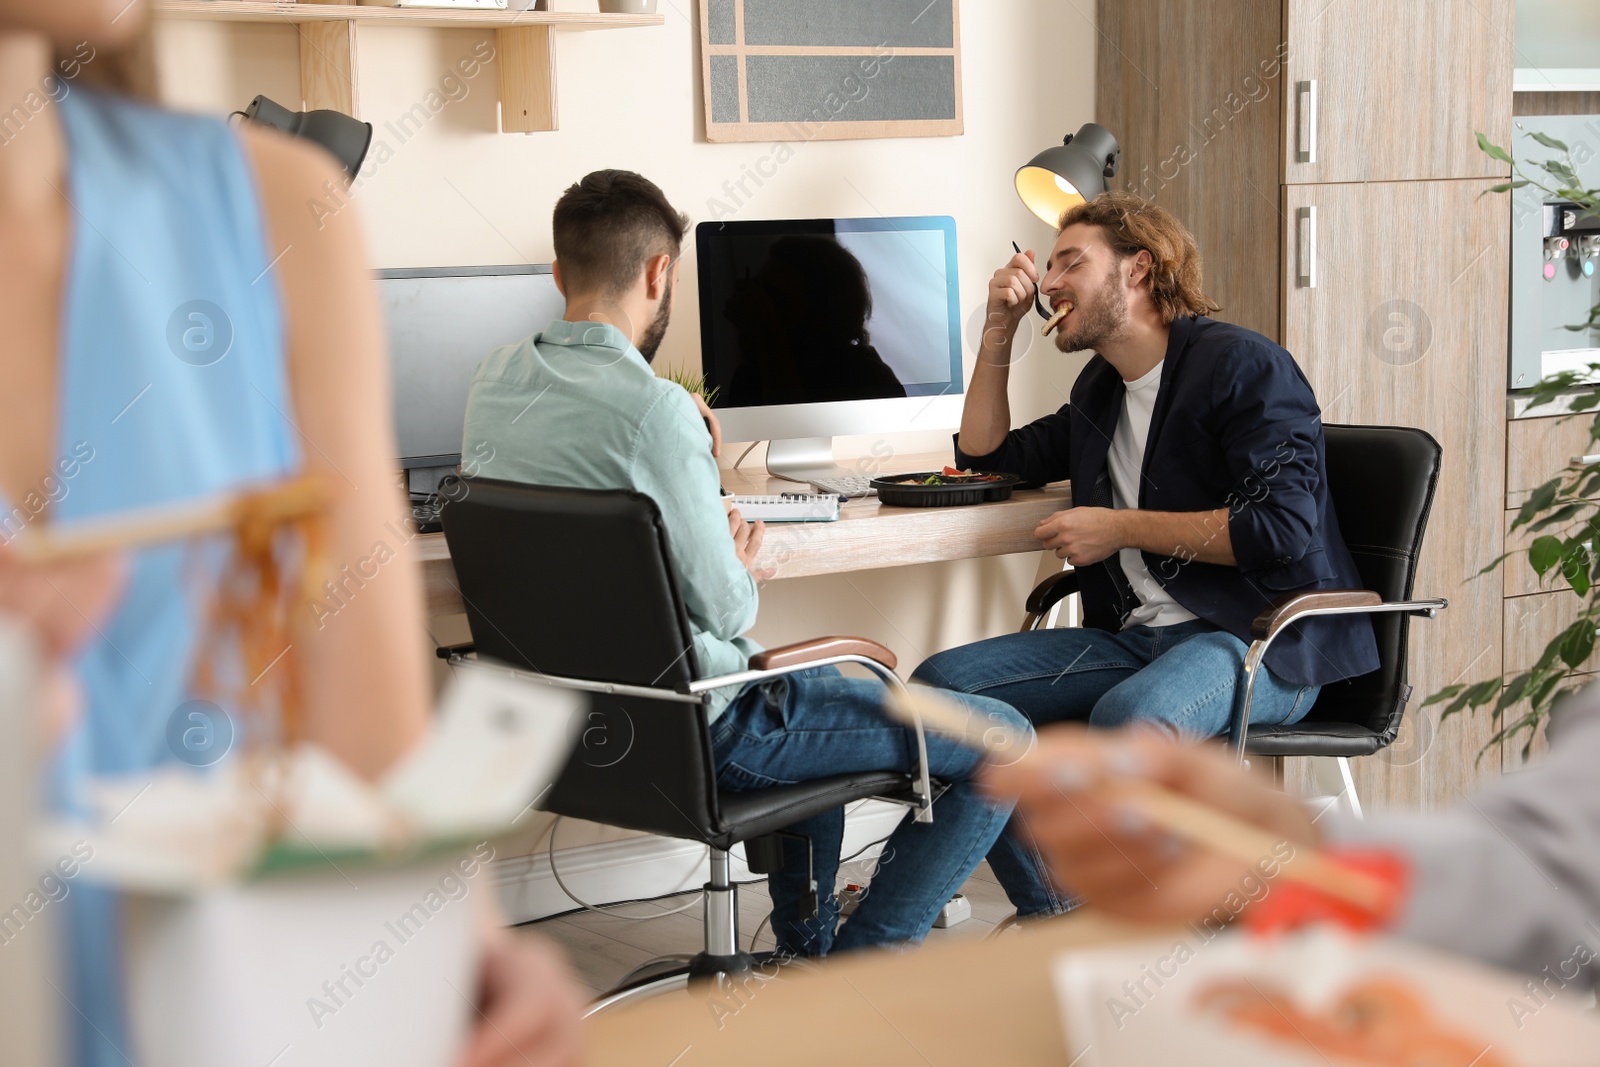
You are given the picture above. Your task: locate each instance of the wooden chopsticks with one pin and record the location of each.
(272, 504)
(1173, 812)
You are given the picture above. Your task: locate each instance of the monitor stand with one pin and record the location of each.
(801, 459)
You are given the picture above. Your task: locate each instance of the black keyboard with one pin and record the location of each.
(426, 512)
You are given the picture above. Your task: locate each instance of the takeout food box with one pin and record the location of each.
(357, 966)
(282, 911)
(1315, 998)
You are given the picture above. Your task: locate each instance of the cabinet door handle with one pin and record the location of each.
(1306, 223)
(1306, 102)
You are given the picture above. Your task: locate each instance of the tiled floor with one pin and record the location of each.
(603, 948)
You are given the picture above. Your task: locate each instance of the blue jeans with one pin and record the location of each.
(1183, 679)
(817, 723)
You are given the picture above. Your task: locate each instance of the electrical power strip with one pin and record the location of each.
(956, 910)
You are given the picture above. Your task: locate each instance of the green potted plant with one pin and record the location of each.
(1563, 513)
(693, 381)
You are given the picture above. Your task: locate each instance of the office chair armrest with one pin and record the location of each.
(803, 653)
(1048, 593)
(448, 652)
(828, 651)
(1296, 605)
(1292, 609)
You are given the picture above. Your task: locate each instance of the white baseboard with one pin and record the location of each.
(645, 866)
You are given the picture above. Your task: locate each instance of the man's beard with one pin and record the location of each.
(657, 329)
(1104, 318)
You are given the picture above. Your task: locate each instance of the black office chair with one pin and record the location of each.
(576, 587)
(1381, 479)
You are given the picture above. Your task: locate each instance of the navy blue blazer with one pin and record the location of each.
(1235, 425)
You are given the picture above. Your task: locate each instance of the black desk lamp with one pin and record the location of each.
(347, 138)
(1070, 173)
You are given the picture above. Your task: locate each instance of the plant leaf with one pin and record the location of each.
(1513, 692)
(1492, 150)
(1558, 517)
(1576, 643)
(1578, 578)
(1544, 553)
(1548, 141)
(1540, 499)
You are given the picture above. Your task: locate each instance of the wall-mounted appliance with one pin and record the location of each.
(1555, 254)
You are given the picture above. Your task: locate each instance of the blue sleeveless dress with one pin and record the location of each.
(173, 382)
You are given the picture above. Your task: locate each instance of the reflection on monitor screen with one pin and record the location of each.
(821, 311)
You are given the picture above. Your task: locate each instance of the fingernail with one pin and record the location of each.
(1129, 821)
(1125, 762)
(1069, 777)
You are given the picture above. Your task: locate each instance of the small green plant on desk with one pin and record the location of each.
(1562, 511)
(693, 381)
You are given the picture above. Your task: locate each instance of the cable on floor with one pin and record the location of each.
(757, 935)
(864, 848)
(609, 909)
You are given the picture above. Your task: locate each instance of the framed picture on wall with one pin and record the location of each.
(830, 69)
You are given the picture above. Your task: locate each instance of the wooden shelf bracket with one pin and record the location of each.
(527, 63)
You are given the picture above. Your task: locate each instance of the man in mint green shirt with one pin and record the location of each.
(578, 405)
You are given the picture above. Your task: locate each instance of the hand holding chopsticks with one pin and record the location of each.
(1148, 829)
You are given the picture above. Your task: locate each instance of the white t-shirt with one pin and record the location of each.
(1125, 462)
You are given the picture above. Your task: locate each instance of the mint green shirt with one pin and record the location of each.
(578, 406)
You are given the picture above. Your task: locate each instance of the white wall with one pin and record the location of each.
(459, 193)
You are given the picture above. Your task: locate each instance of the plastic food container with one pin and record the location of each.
(907, 490)
(313, 970)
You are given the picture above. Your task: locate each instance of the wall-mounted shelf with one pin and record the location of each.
(523, 44)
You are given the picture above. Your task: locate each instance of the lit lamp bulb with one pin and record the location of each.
(1066, 175)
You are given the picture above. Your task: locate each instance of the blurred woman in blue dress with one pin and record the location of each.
(177, 325)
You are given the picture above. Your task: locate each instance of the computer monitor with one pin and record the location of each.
(442, 322)
(816, 327)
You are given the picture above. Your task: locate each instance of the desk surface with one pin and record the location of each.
(966, 1003)
(868, 534)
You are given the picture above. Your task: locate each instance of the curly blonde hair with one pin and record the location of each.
(1131, 225)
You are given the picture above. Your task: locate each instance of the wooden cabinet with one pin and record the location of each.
(1205, 143)
(1537, 450)
(1517, 578)
(1368, 250)
(1392, 338)
(1533, 621)
(1400, 89)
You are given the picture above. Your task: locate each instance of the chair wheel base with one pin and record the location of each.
(706, 966)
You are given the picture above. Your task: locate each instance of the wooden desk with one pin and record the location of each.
(958, 1004)
(867, 535)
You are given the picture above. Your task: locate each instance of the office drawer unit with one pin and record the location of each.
(1511, 754)
(1325, 158)
(1532, 621)
(1516, 577)
(1538, 449)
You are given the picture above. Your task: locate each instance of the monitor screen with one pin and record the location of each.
(442, 322)
(818, 311)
